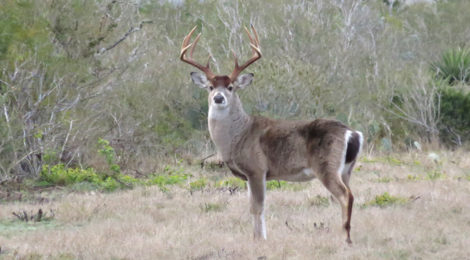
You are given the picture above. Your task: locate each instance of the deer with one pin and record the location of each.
(258, 149)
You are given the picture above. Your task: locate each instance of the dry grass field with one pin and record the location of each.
(426, 216)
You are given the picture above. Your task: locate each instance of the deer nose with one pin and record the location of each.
(218, 99)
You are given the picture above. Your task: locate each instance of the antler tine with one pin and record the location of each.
(187, 38)
(208, 60)
(235, 58)
(194, 45)
(256, 51)
(256, 34)
(184, 48)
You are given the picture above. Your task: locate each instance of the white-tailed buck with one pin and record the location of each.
(258, 149)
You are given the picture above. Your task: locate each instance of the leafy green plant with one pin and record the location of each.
(385, 200)
(108, 152)
(454, 65)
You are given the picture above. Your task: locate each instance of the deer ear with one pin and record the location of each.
(244, 80)
(200, 79)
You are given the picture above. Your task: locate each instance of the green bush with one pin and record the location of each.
(61, 175)
(454, 66)
(455, 116)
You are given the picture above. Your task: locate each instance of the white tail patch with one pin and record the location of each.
(361, 142)
(347, 135)
(347, 166)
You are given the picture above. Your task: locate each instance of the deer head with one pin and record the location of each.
(221, 88)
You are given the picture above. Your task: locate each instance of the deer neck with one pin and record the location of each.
(227, 127)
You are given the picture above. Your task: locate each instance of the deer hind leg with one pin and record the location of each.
(346, 173)
(257, 189)
(343, 194)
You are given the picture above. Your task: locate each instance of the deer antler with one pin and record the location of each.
(184, 48)
(256, 49)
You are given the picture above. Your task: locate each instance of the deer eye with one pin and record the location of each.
(230, 88)
(211, 88)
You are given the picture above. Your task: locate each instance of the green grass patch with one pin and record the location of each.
(212, 207)
(435, 175)
(13, 227)
(384, 179)
(411, 177)
(319, 201)
(385, 200)
(275, 185)
(162, 181)
(432, 175)
(387, 160)
(198, 185)
(467, 176)
(232, 182)
(284, 185)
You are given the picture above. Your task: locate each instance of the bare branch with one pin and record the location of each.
(131, 30)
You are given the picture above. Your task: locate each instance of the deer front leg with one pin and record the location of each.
(257, 191)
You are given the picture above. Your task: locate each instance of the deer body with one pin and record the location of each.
(258, 149)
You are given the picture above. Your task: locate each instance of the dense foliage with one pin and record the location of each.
(72, 72)
(455, 116)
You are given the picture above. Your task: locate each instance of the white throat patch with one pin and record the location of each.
(217, 112)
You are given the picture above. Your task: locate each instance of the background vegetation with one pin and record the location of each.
(77, 74)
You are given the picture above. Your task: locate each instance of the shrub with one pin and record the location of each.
(59, 174)
(454, 66)
(454, 126)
